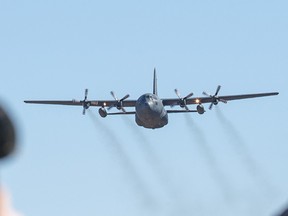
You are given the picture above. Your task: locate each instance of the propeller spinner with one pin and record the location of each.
(215, 97)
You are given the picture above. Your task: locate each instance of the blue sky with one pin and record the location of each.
(229, 161)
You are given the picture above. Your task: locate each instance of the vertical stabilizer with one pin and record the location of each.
(155, 83)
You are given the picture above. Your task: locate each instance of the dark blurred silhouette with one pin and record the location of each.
(7, 134)
(7, 146)
(285, 213)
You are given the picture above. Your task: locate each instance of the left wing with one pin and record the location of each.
(99, 103)
(118, 103)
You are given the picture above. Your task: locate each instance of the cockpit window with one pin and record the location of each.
(151, 97)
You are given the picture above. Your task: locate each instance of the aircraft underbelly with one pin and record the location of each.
(151, 121)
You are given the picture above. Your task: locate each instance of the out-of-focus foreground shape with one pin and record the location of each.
(285, 213)
(7, 134)
(5, 204)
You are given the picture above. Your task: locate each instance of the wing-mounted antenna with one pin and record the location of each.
(155, 83)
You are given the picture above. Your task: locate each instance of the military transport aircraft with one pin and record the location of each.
(150, 110)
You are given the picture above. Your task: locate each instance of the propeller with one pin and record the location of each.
(215, 97)
(118, 104)
(86, 104)
(182, 101)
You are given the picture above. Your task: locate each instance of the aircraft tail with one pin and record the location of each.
(155, 83)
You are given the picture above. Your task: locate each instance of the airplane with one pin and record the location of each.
(150, 109)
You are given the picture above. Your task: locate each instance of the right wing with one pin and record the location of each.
(200, 100)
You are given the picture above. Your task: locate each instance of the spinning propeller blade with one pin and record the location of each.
(113, 95)
(215, 97)
(85, 103)
(118, 103)
(182, 101)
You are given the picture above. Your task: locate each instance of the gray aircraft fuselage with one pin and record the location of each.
(150, 112)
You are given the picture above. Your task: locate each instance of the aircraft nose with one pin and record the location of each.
(147, 102)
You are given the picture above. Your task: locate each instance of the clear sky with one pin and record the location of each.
(230, 161)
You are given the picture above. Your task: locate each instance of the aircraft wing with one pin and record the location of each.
(200, 100)
(99, 103)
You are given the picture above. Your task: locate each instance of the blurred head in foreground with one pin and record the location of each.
(7, 134)
(7, 145)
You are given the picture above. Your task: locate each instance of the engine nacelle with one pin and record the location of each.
(102, 112)
(200, 109)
